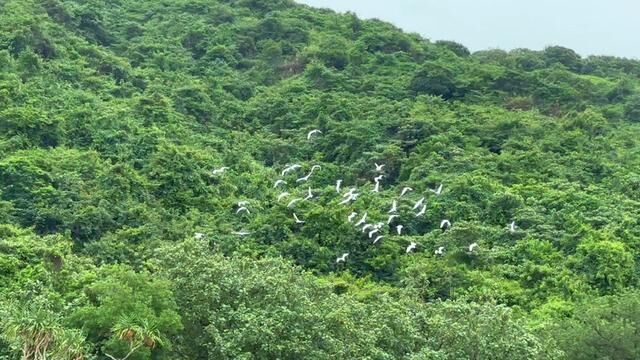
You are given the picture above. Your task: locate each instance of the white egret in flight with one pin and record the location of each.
(394, 207)
(338, 183)
(349, 193)
(352, 197)
(512, 227)
(473, 247)
(445, 224)
(305, 178)
(292, 202)
(283, 195)
(290, 168)
(418, 203)
(342, 258)
(347, 200)
(366, 226)
(439, 251)
(198, 235)
(243, 209)
(399, 229)
(362, 220)
(309, 195)
(422, 211)
(411, 247)
(279, 182)
(243, 203)
(298, 221)
(374, 231)
(391, 217)
(379, 167)
(313, 132)
(219, 171)
(351, 216)
(405, 190)
(437, 191)
(378, 239)
(241, 233)
(377, 187)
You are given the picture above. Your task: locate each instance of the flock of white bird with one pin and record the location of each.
(371, 229)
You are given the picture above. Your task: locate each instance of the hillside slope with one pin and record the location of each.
(116, 235)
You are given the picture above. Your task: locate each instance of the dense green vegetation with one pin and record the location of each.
(117, 240)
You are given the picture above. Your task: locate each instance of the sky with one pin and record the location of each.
(590, 27)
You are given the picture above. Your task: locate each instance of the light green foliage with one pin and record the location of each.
(606, 264)
(121, 299)
(265, 309)
(602, 328)
(474, 331)
(632, 109)
(436, 79)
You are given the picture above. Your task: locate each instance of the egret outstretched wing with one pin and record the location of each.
(292, 202)
(313, 132)
(376, 188)
(219, 171)
(418, 203)
(405, 190)
(394, 207)
(243, 209)
(362, 220)
(309, 195)
(290, 168)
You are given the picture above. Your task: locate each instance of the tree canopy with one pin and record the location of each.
(140, 218)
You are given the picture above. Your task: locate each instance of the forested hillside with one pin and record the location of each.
(142, 217)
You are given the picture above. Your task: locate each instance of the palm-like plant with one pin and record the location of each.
(136, 332)
(36, 330)
(71, 345)
(32, 329)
